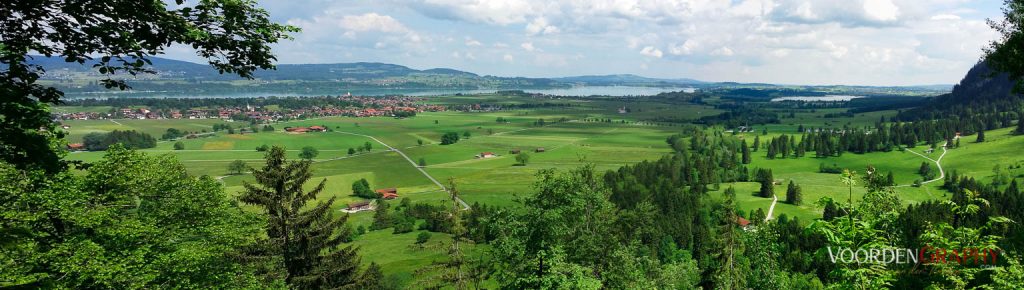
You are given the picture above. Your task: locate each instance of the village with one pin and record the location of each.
(362, 107)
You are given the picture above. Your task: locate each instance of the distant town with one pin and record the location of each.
(351, 106)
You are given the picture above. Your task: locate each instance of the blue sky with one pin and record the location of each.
(854, 42)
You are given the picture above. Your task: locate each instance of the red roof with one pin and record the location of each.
(76, 146)
(388, 193)
(317, 128)
(742, 221)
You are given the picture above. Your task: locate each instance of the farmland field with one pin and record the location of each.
(574, 141)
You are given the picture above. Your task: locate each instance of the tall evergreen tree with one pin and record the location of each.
(1020, 125)
(306, 240)
(794, 195)
(981, 136)
(729, 274)
(757, 143)
(745, 152)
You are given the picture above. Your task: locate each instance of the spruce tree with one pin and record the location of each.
(729, 273)
(746, 152)
(306, 240)
(793, 194)
(1020, 125)
(757, 143)
(981, 136)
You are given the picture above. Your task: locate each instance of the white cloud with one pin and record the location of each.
(651, 51)
(540, 25)
(882, 10)
(792, 41)
(723, 51)
(945, 17)
(528, 46)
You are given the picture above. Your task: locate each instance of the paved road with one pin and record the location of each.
(465, 206)
(938, 163)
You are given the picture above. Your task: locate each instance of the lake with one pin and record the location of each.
(577, 91)
(825, 98)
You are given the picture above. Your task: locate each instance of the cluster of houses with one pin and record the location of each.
(367, 107)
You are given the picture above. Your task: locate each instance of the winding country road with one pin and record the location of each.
(465, 206)
(938, 163)
(771, 209)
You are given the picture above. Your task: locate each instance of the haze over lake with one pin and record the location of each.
(573, 91)
(825, 98)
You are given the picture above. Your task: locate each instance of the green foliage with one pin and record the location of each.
(522, 158)
(130, 139)
(237, 167)
(422, 238)
(309, 152)
(128, 221)
(423, 162)
(262, 148)
(794, 194)
(306, 240)
(449, 138)
(351, 151)
(1004, 53)
(368, 146)
(172, 133)
(361, 188)
(179, 145)
(381, 217)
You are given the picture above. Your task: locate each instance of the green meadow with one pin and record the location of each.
(499, 180)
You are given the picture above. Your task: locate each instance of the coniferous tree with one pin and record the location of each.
(767, 183)
(745, 152)
(1020, 125)
(729, 274)
(981, 136)
(372, 279)
(307, 241)
(794, 194)
(757, 143)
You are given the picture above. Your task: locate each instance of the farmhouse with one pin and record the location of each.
(514, 151)
(296, 129)
(359, 206)
(485, 155)
(539, 149)
(76, 147)
(743, 223)
(388, 193)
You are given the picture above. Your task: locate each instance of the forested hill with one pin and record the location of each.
(169, 68)
(982, 90)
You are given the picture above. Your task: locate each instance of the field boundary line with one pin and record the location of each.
(465, 206)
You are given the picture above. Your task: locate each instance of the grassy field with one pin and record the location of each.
(498, 180)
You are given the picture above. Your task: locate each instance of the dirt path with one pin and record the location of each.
(465, 206)
(771, 209)
(938, 163)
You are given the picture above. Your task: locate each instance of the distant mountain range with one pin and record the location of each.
(182, 77)
(359, 71)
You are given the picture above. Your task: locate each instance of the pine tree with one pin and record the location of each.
(767, 183)
(729, 273)
(1020, 125)
(372, 278)
(757, 143)
(746, 152)
(453, 271)
(794, 195)
(981, 136)
(306, 240)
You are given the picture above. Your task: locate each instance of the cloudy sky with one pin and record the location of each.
(856, 42)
